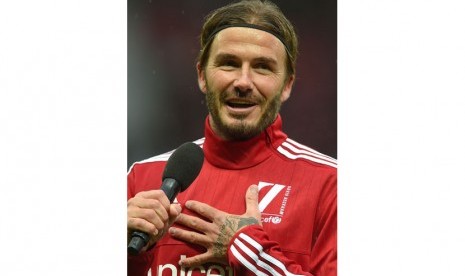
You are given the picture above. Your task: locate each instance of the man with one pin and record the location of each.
(262, 204)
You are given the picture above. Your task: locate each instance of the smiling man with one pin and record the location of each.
(245, 81)
(262, 204)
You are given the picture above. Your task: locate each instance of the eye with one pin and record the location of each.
(263, 68)
(228, 63)
(263, 65)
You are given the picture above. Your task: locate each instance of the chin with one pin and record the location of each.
(239, 129)
(236, 123)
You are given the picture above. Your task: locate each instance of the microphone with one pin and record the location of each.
(181, 169)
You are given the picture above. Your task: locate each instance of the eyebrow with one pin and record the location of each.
(266, 60)
(226, 56)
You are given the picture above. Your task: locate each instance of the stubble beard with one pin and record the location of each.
(241, 130)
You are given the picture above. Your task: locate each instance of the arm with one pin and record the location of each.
(149, 212)
(252, 250)
(241, 242)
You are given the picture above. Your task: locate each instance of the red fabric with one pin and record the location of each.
(299, 219)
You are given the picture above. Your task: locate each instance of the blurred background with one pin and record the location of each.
(165, 105)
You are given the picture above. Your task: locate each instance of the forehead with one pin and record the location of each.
(248, 42)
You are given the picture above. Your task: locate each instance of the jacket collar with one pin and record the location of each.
(238, 155)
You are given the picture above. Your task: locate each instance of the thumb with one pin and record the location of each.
(174, 212)
(251, 202)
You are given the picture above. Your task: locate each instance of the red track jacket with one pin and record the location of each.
(297, 199)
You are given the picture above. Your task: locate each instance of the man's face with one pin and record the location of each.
(245, 82)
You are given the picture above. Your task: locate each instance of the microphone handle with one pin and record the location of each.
(171, 188)
(139, 239)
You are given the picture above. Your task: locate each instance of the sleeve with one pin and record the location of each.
(323, 258)
(251, 252)
(137, 265)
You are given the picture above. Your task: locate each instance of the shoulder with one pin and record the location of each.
(292, 150)
(161, 158)
(158, 159)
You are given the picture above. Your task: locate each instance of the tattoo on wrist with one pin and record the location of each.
(230, 226)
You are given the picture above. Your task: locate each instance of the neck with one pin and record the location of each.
(240, 154)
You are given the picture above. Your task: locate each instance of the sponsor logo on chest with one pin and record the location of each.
(209, 270)
(273, 203)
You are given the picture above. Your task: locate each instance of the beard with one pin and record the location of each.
(241, 129)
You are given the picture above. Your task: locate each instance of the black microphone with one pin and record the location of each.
(180, 171)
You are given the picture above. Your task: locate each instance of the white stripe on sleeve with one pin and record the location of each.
(308, 148)
(165, 156)
(295, 156)
(245, 262)
(264, 255)
(307, 152)
(254, 256)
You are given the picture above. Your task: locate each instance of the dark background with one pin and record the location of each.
(165, 105)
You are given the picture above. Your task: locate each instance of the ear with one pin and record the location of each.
(201, 78)
(287, 88)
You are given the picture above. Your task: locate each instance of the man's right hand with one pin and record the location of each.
(152, 213)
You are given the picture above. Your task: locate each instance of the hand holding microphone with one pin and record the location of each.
(150, 212)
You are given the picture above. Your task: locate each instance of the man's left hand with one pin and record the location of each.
(216, 233)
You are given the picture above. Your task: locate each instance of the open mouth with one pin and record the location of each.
(235, 104)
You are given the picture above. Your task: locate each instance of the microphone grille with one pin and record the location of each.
(184, 164)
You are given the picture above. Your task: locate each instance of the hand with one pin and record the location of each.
(152, 213)
(215, 233)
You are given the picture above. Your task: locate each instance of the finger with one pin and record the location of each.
(147, 203)
(155, 194)
(193, 222)
(251, 202)
(189, 236)
(155, 214)
(203, 209)
(137, 221)
(142, 225)
(197, 260)
(175, 211)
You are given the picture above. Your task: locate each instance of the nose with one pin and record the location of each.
(243, 83)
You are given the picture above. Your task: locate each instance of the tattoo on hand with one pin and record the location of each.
(246, 221)
(230, 226)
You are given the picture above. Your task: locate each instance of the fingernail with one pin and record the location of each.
(171, 230)
(188, 204)
(178, 208)
(254, 188)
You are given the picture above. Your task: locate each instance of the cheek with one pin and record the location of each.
(268, 88)
(218, 80)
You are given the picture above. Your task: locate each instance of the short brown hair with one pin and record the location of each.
(263, 14)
